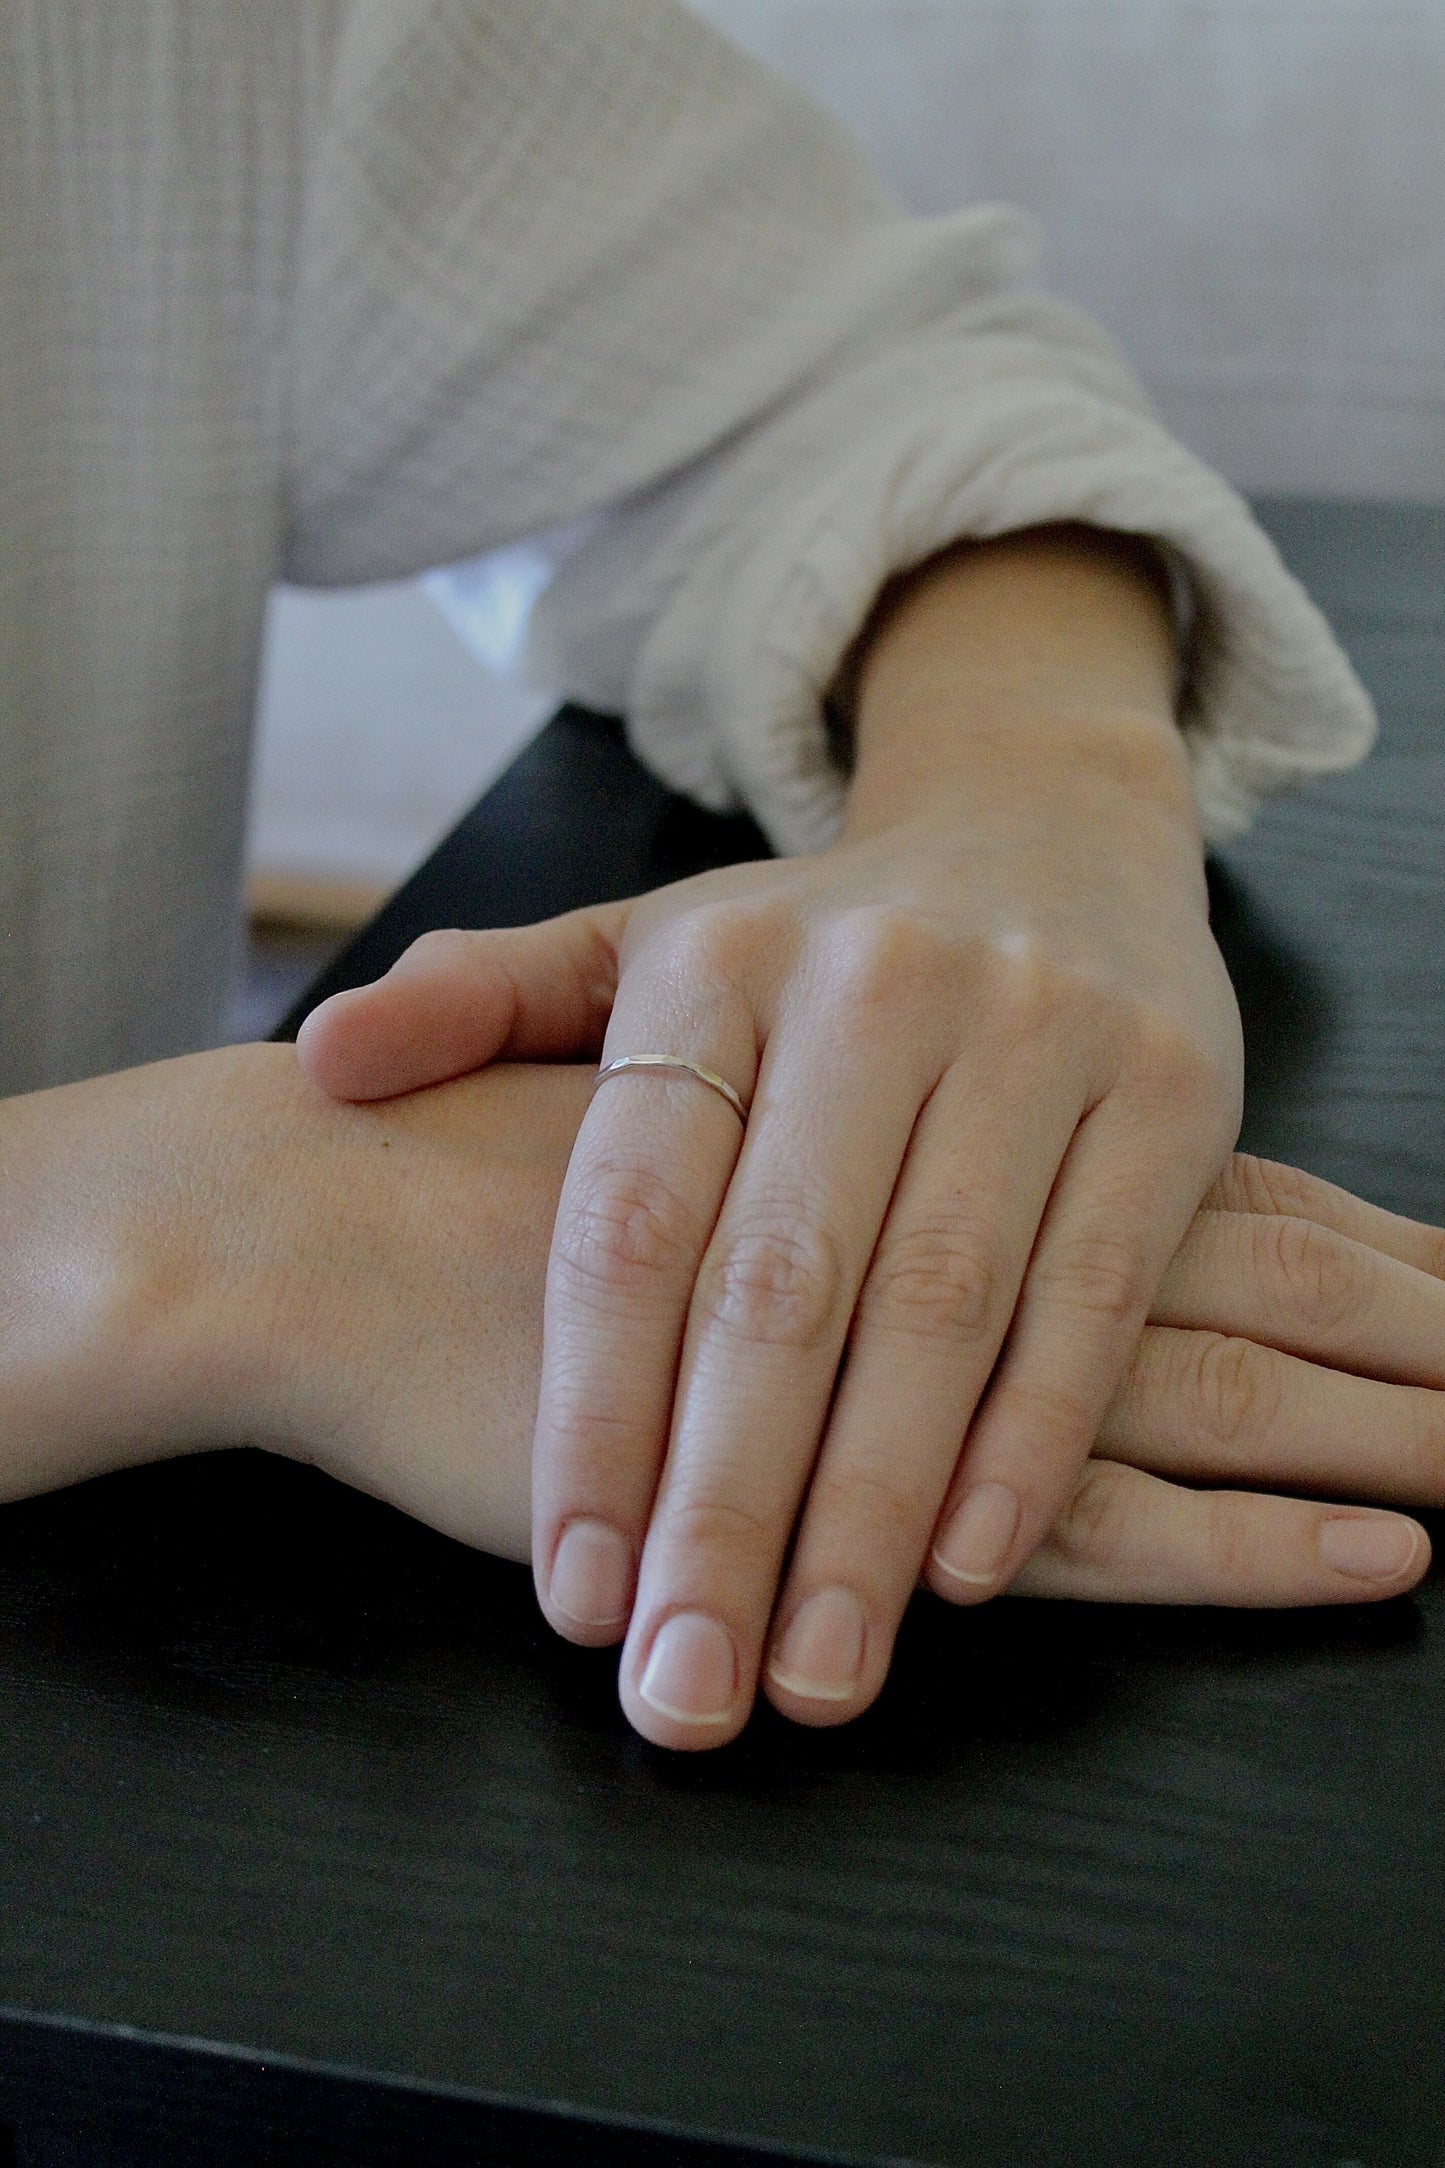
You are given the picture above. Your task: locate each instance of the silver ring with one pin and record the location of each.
(718, 1084)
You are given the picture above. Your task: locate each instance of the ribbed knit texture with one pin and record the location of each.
(338, 291)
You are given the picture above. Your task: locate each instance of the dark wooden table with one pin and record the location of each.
(316, 1849)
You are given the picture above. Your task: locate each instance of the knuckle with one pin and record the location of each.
(1100, 1276)
(1227, 1545)
(590, 1438)
(776, 1283)
(867, 1497)
(1425, 1449)
(1164, 1050)
(444, 946)
(1049, 1414)
(626, 1229)
(1163, 1370)
(883, 954)
(707, 1521)
(936, 1281)
(1265, 1187)
(1023, 985)
(1326, 1279)
(1090, 1522)
(1234, 1388)
(1179, 1072)
(705, 953)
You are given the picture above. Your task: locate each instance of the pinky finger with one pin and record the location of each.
(1128, 1537)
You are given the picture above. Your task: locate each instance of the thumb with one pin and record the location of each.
(455, 1001)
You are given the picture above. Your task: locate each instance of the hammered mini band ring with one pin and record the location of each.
(714, 1083)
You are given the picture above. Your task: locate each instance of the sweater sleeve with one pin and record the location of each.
(581, 268)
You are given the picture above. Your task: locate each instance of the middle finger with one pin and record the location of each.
(829, 1127)
(1206, 1407)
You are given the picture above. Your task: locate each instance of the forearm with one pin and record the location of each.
(999, 664)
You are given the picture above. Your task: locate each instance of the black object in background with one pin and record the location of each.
(316, 1847)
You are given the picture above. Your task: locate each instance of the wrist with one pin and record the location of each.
(118, 1342)
(972, 758)
(68, 1305)
(1038, 662)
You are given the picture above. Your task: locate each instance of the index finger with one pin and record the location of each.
(1265, 1186)
(1296, 1285)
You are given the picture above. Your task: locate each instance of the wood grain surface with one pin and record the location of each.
(316, 1847)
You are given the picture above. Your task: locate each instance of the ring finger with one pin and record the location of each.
(648, 1172)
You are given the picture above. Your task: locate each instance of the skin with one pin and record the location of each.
(992, 1061)
(208, 1252)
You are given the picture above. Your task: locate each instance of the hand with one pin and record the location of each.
(992, 1068)
(1297, 1342)
(208, 1253)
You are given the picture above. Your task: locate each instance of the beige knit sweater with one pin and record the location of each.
(332, 290)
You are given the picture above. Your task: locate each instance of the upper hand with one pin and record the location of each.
(992, 1064)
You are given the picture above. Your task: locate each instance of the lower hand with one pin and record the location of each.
(1296, 1345)
(208, 1252)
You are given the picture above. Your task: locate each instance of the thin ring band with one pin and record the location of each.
(718, 1084)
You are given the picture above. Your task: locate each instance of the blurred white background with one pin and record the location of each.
(1249, 193)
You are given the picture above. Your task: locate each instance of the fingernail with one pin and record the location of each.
(1374, 1547)
(821, 1654)
(692, 1673)
(976, 1541)
(592, 1574)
